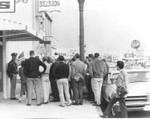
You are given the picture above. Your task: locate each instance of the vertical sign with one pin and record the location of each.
(49, 5)
(7, 6)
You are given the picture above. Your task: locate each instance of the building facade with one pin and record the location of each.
(26, 29)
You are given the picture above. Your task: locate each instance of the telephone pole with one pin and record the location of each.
(81, 28)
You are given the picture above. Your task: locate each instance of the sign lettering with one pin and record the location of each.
(7, 6)
(49, 5)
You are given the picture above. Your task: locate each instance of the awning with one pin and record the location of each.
(14, 31)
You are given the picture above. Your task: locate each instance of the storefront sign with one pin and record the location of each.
(23, 1)
(49, 5)
(135, 44)
(7, 6)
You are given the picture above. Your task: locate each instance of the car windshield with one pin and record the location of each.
(143, 76)
(139, 77)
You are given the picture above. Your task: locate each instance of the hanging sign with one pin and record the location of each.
(49, 5)
(7, 6)
(135, 44)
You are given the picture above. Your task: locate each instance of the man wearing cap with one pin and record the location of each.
(12, 71)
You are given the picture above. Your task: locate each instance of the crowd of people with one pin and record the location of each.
(62, 80)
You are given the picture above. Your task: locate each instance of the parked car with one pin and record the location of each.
(138, 98)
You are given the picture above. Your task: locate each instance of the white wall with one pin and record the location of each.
(23, 13)
(18, 47)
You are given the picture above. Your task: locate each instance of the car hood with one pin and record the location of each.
(138, 88)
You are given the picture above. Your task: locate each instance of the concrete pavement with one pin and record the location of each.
(13, 109)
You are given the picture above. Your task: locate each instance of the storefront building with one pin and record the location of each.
(24, 30)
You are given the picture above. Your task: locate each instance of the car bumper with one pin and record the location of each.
(134, 107)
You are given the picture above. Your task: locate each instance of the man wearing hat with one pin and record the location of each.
(12, 72)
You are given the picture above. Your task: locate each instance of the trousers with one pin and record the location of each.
(63, 87)
(46, 86)
(123, 107)
(34, 83)
(54, 88)
(96, 87)
(78, 91)
(89, 87)
(13, 86)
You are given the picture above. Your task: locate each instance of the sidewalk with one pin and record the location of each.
(14, 109)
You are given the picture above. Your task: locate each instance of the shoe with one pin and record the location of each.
(103, 116)
(28, 104)
(94, 102)
(19, 100)
(69, 104)
(75, 104)
(55, 100)
(45, 103)
(91, 100)
(96, 105)
(14, 98)
(39, 104)
(61, 105)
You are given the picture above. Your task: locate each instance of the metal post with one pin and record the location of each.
(81, 29)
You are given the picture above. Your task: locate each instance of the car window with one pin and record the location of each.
(139, 77)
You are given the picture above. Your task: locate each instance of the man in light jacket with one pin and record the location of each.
(97, 70)
(77, 74)
(121, 81)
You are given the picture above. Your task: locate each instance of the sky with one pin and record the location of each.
(109, 25)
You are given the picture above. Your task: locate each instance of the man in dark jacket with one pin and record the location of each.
(53, 84)
(31, 70)
(12, 72)
(62, 74)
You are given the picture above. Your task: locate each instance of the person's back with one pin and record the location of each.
(32, 67)
(79, 67)
(48, 66)
(31, 70)
(22, 75)
(52, 78)
(77, 74)
(51, 72)
(98, 68)
(62, 70)
(62, 74)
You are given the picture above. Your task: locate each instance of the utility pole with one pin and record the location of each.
(81, 29)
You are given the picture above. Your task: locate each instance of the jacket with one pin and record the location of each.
(12, 68)
(62, 70)
(97, 68)
(31, 69)
(78, 70)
